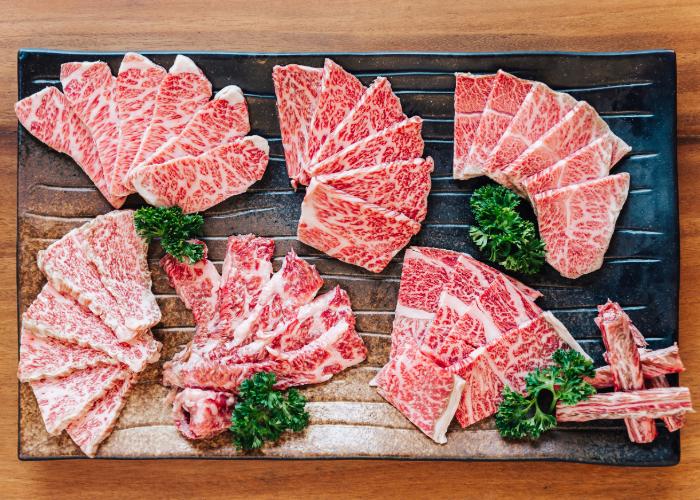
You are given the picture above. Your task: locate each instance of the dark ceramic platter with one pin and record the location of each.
(634, 92)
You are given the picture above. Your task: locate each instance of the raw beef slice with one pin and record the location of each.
(138, 82)
(506, 362)
(506, 97)
(377, 109)
(49, 117)
(340, 92)
(471, 94)
(69, 270)
(577, 222)
(58, 316)
(401, 141)
(579, 127)
(220, 121)
(198, 183)
(182, 92)
(90, 88)
(425, 393)
(196, 284)
(113, 246)
(62, 400)
(93, 427)
(541, 110)
(297, 88)
(46, 357)
(592, 161)
(352, 230)
(622, 355)
(402, 186)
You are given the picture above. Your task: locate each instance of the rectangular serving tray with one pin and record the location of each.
(634, 92)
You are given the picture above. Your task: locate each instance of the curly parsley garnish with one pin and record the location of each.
(173, 228)
(263, 414)
(528, 416)
(502, 233)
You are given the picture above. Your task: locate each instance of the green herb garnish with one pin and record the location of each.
(528, 416)
(501, 232)
(263, 414)
(173, 228)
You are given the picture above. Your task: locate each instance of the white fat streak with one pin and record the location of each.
(132, 60)
(563, 333)
(184, 64)
(443, 422)
(231, 93)
(138, 175)
(259, 142)
(410, 312)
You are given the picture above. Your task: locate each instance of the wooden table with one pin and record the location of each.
(351, 25)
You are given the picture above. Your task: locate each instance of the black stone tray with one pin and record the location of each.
(634, 92)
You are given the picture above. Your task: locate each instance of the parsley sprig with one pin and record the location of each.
(528, 416)
(263, 414)
(173, 228)
(501, 232)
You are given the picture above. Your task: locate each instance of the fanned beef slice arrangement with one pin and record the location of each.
(360, 157)
(462, 332)
(87, 335)
(150, 131)
(550, 148)
(249, 320)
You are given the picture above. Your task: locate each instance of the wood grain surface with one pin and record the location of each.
(351, 26)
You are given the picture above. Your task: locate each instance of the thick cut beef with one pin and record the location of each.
(49, 117)
(506, 97)
(424, 392)
(672, 423)
(113, 246)
(90, 88)
(297, 88)
(655, 364)
(626, 368)
(89, 430)
(196, 183)
(59, 316)
(196, 284)
(64, 399)
(579, 127)
(401, 141)
(592, 161)
(377, 109)
(340, 92)
(47, 357)
(402, 186)
(69, 270)
(506, 362)
(138, 82)
(200, 414)
(218, 122)
(471, 94)
(541, 110)
(645, 404)
(182, 92)
(577, 222)
(352, 230)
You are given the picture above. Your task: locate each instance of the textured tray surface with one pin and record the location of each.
(634, 92)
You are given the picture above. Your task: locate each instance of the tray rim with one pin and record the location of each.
(668, 53)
